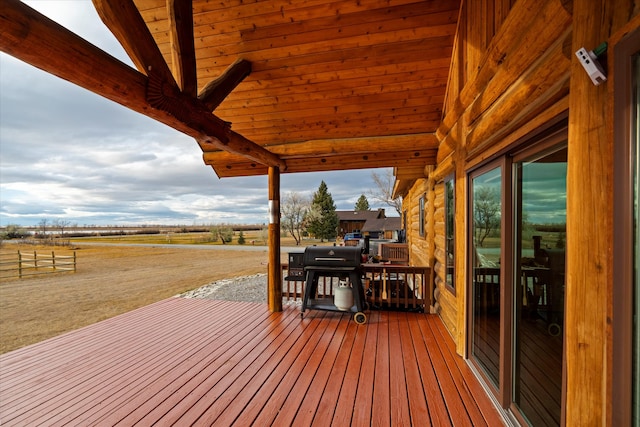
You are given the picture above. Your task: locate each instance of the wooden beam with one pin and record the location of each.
(590, 201)
(124, 21)
(363, 146)
(401, 187)
(409, 173)
(37, 40)
(228, 165)
(183, 53)
(239, 145)
(274, 290)
(217, 90)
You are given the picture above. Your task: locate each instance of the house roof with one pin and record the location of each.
(360, 215)
(383, 224)
(305, 86)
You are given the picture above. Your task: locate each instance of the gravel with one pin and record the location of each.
(246, 288)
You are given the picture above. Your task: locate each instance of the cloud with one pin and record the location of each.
(67, 153)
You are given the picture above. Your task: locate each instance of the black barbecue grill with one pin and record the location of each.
(333, 261)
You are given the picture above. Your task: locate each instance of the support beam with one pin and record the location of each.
(229, 165)
(183, 52)
(217, 90)
(123, 19)
(37, 40)
(274, 291)
(321, 155)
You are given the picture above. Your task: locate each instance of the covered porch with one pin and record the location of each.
(207, 362)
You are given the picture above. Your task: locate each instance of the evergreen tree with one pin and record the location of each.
(362, 204)
(322, 220)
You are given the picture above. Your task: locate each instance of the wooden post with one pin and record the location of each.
(589, 221)
(53, 260)
(20, 264)
(274, 285)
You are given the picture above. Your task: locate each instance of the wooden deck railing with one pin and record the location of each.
(22, 264)
(386, 287)
(395, 253)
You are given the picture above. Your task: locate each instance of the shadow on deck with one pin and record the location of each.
(203, 362)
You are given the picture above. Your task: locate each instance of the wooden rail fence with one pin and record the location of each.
(23, 264)
(395, 287)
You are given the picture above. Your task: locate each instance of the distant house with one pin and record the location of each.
(353, 221)
(374, 224)
(383, 228)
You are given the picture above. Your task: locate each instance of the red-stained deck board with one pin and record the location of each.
(469, 390)
(211, 364)
(203, 362)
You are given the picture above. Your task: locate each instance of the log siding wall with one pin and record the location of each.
(513, 72)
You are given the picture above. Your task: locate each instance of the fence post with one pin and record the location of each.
(74, 261)
(35, 260)
(19, 264)
(53, 260)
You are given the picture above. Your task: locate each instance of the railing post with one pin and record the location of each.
(53, 260)
(19, 264)
(35, 260)
(74, 261)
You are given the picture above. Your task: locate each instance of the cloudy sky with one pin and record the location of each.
(66, 153)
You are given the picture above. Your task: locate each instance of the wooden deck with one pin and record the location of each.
(203, 362)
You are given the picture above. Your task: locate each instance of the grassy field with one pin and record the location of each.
(110, 280)
(252, 237)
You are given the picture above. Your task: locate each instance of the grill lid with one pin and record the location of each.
(332, 256)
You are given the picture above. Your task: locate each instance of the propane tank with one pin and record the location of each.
(343, 296)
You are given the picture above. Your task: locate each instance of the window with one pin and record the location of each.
(449, 231)
(421, 214)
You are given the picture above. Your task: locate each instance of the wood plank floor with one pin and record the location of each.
(203, 362)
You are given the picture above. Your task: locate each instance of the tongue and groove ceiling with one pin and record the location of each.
(333, 85)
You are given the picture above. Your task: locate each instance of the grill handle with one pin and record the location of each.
(330, 259)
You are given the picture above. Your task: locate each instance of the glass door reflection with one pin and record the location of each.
(539, 281)
(486, 233)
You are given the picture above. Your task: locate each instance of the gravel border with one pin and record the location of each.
(245, 288)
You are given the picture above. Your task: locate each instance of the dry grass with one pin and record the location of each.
(110, 280)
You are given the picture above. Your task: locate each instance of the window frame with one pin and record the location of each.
(623, 240)
(421, 215)
(450, 247)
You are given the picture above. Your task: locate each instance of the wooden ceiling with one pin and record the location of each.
(333, 85)
(309, 85)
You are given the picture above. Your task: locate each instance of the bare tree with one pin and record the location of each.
(43, 224)
(61, 224)
(294, 209)
(384, 190)
(486, 213)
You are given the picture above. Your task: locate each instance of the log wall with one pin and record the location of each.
(514, 71)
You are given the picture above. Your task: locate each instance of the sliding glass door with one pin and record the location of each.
(539, 282)
(516, 240)
(485, 241)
